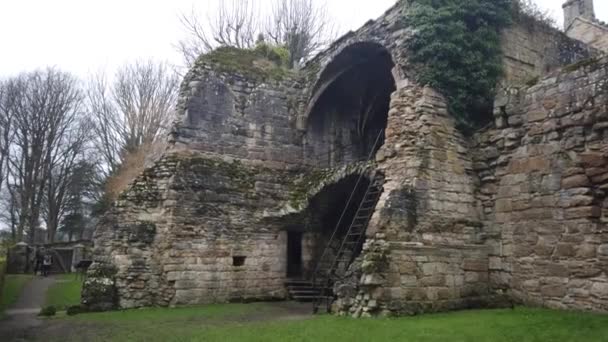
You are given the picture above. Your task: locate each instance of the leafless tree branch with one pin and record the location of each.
(134, 110)
(301, 26)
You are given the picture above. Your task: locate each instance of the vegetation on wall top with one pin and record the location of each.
(457, 43)
(265, 61)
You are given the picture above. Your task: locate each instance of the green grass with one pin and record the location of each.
(251, 323)
(13, 285)
(64, 293)
(157, 315)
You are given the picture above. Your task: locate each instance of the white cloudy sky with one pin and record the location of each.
(83, 36)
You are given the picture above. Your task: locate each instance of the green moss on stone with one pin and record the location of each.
(241, 176)
(303, 183)
(306, 185)
(580, 64)
(252, 63)
(532, 81)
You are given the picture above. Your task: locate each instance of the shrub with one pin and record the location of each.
(75, 310)
(528, 9)
(457, 43)
(277, 54)
(48, 311)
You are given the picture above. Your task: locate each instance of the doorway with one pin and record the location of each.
(294, 254)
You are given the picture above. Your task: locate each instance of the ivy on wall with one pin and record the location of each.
(457, 43)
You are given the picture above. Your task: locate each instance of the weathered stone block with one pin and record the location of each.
(593, 159)
(600, 290)
(583, 212)
(577, 181)
(553, 290)
(476, 265)
(565, 250)
(537, 116)
(576, 201)
(434, 280)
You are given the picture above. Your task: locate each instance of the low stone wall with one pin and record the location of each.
(436, 278)
(409, 278)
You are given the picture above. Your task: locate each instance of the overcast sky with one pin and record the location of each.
(83, 36)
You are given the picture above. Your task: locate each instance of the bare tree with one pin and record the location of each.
(134, 110)
(44, 106)
(64, 168)
(236, 23)
(301, 26)
(9, 209)
(6, 124)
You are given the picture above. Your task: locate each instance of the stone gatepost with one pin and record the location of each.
(18, 259)
(77, 256)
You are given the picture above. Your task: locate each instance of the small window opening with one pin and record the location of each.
(238, 260)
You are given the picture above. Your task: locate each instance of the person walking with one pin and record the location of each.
(38, 262)
(46, 264)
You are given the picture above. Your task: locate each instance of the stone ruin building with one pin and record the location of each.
(269, 177)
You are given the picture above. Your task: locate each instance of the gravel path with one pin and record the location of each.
(22, 316)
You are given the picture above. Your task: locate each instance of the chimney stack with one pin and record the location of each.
(577, 8)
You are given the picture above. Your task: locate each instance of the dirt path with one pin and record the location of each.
(22, 316)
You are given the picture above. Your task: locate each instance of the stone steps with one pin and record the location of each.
(302, 290)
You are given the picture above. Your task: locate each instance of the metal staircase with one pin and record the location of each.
(335, 260)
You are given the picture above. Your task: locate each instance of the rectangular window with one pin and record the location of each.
(238, 260)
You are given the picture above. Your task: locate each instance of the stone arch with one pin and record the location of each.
(320, 182)
(348, 105)
(329, 212)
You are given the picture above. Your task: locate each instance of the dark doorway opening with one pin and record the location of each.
(294, 254)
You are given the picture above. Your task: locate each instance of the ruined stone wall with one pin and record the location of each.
(237, 172)
(429, 190)
(235, 113)
(543, 172)
(590, 32)
(176, 234)
(179, 234)
(426, 250)
(532, 49)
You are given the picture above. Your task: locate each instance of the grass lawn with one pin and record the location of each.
(64, 293)
(13, 285)
(255, 322)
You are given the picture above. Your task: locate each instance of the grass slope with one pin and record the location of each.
(64, 293)
(13, 285)
(248, 323)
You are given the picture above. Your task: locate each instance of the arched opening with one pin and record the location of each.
(349, 107)
(325, 214)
